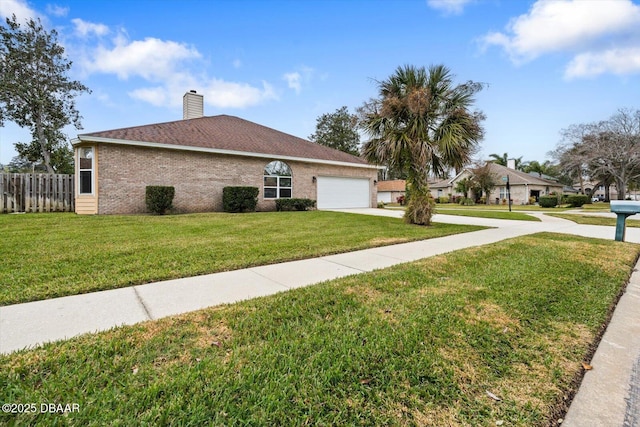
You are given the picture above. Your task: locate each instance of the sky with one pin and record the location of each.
(547, 64)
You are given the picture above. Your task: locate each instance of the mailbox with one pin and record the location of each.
(623, 209)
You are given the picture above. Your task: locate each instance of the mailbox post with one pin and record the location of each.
(623, 209)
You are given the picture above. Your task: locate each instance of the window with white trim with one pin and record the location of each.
(85, 169)
(278, 181)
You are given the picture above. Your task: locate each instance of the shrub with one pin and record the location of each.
(577, 200)
(159, 199)
(380, 205)
(401, 200)
(532, 200)
(443, 199)
(466, 201)
(548, 201)
(294, 204)
(239, 199)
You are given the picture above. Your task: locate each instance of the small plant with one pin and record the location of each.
(159, 199)
(577, 200)
(466, 201)
(443, 199)
(548, 201)
(295, 204)
(532, 200)
(401, 200)
(239, 199)
(380, 205)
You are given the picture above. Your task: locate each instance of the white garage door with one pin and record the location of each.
(384, 196)
(335, 192)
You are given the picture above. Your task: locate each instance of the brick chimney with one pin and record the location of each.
(192, 105)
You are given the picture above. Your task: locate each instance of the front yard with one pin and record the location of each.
(433, 342)
(52, 255)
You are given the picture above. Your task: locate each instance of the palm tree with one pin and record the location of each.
(504, 160)
(422, 123)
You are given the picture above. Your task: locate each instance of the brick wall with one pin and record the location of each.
(125, 171)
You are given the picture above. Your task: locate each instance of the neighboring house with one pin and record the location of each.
(199, 156)
(389, 191)
(522, 185)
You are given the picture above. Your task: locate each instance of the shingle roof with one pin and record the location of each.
(393, 185)
(516, 177)
(223, 132)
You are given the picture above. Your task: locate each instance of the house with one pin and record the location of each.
(523, 186)
(389, 191)
(201, 155)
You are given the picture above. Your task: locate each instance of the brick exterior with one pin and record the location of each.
(198, 178)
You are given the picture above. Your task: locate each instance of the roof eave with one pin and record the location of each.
(96, 139)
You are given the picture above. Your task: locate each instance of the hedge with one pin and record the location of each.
(295, 204)
(548, 201)
(577, 200)
(159, 199)
(239, 199)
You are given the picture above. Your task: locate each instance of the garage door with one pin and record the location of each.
(336, 192)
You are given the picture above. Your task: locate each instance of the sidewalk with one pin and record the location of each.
(608, 396)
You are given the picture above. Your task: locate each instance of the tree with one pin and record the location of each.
(545, 168)
(463, 186)
(338, 130)
(605, 151)
(504, 160)
(35, 91)
(484, 180)
(423, 122)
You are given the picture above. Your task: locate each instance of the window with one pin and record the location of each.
(503, 193)
(86, 170)
(277, 181)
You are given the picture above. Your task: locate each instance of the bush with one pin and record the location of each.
(466, 201)
(294, 204)
(239, 199)
(400, 200)
(577, 200)
(159, 199)
(442, 199)
(380, 205)
(548, 201)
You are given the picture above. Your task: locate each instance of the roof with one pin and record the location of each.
(226, 135)
(393, 185)
(516, 177)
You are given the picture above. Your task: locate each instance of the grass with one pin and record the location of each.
(416, 344)
(482, 207)
(52, 255)
(487, 214)
(596, 220)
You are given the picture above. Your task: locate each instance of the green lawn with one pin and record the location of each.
(487, 214)
(481, 207)
(596, 220)
(420, 343)
(51, 255)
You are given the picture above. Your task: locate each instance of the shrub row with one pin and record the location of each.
(548, 201)
(295, 204)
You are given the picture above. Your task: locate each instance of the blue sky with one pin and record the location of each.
(548, 64)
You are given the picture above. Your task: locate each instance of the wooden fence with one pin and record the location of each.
(36, 192)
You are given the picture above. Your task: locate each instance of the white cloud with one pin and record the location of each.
(18, 8)
(224, 94)
(55, 10)
(151, 58)
(84, 28)
(449, 7)
(615, 61)
(155, 96)
(574, 26)
(293, 81)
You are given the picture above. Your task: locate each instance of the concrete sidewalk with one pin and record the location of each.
(609, 395)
